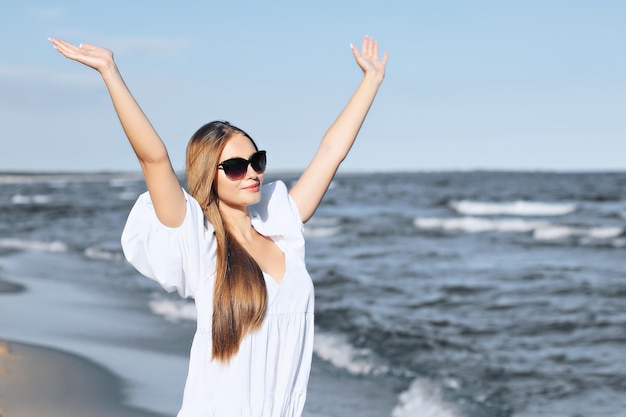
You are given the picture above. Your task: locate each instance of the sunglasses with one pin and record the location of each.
(236, 168)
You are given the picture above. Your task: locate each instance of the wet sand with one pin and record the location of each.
(37, 381)
(40, 381)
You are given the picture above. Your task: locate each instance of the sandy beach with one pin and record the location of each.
(36, 381)
(39, 381)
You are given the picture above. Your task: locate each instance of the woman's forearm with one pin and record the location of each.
(341, 135)
(143, 138)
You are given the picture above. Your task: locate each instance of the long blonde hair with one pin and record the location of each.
(240, 296)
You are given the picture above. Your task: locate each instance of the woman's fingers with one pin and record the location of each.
(375, 49)
(368, 58)
(369, 49)
(66, 49)
(90, 55)
(384, 60)
(366, 46)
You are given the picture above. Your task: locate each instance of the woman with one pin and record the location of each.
(234, 245)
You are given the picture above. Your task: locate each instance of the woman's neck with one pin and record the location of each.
(237, 221)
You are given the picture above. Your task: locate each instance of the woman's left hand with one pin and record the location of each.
(368, 58)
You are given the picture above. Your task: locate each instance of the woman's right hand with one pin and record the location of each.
(95, 57)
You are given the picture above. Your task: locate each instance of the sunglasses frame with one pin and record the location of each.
(254, 160)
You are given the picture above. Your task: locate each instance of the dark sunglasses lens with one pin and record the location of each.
(259, 161)
(235, 168)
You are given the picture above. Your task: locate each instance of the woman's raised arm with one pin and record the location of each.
(308, 191)
(165, 191)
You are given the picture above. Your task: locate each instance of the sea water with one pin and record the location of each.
(442, 294)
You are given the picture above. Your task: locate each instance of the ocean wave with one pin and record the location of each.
(55, 246)
(20, 199)
(586, 235)
(95, 253)
(128, 195)
(477, 225)
(515, 208)
(173, 310)
(423, 399)
(540, 230)
(322, 227)
(336, 349)
(320, 231)
(618, 243)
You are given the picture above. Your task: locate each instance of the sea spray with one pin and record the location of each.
(423, 399)
(516, 208)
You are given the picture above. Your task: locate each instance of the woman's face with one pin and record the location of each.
(242, 192)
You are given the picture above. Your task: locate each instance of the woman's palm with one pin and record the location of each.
(95, 57)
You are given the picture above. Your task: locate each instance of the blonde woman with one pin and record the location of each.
(233, 244)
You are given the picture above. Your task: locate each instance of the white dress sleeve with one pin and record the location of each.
(175, 257)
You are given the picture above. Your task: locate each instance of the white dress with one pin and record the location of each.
(268, 377)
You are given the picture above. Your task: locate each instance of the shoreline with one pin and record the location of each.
(40, 380)
(53, 322)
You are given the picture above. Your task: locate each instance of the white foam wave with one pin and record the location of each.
(174, 310)
(619, 243)
(34, 245)
(516, 208)
(604, 232)
(542, 231)
(555, 233)
(338, 351)
(322, 227)
(423, 399)
(95, 253)
(30, 199)
(477, 225)
(320, 231)
(128, 195)
(587, 235)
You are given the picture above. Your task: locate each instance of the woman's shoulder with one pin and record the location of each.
(276, 213)
(143, 212)
(273, 190)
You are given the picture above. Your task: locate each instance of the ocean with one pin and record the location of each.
(438, 294)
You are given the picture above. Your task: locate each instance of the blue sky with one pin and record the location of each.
(530, 84)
